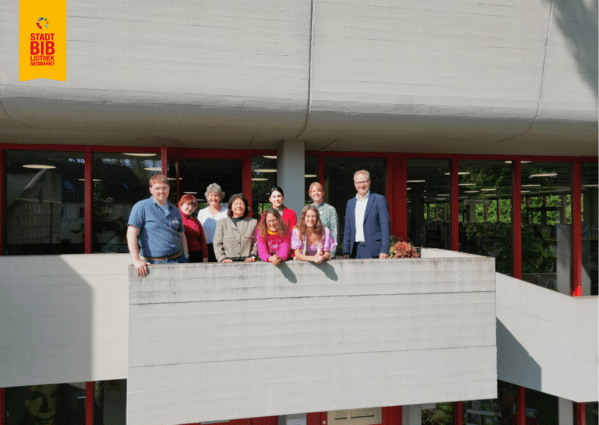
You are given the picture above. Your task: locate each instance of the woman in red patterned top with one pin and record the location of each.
(273, 238)
(196, 240)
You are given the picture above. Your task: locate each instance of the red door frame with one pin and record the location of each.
(581, 414)
(576, 231)
(89, 403)
(520, 406)
(2, 406)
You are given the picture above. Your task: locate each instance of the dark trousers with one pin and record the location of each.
(361, 251)
(211, 255)
(196, 257)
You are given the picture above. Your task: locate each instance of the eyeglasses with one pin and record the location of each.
(362, 183)
(272, 221)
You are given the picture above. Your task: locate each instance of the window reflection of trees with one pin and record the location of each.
(485, 191)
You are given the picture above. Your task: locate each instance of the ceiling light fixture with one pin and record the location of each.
(153, 168)
(488, 190)
(530, 185)
(544, 175)
(96, 180)
(39, 166)
(311, 176)
(415, 181)
(259, 180)
(467, 184)
(191, 193)
(266, 170)
(269, 157)
(460, 173)
(141, 154)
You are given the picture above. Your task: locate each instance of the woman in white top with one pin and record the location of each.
(211, 214)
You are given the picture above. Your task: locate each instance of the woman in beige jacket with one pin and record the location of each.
(235, 236)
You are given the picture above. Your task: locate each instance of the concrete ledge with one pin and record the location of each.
(215, 342)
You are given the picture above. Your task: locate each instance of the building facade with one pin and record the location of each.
(478, 122)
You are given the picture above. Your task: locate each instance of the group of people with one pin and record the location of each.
(167, 234)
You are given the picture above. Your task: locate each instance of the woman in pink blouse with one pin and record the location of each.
(196, 239)
(310, 239)
(273, 238)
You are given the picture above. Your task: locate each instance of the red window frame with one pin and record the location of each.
(396, 193)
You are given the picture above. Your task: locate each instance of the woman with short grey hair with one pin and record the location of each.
(211, 214)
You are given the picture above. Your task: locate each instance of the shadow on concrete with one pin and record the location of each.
(577, 20)
(514, 364)
(287, 273)
(328, 270)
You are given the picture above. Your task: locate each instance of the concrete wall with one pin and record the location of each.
(494, 76)
(243, 341)
(547, 341)
(64, 318)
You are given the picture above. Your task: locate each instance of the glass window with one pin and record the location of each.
(172, 173)
(264, 177)
(485, 198)
(197, 174)
(311, 174)
(339, 183)
(546, 218)
(591, 414)
(429, 218)
(120, 180)
(111, 398)
(441, 415)
(44, 197)
(589, 228)
(499, 411)
(54, 404)
(541, 408)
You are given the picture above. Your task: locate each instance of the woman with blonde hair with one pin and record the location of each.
(328, 213)
(310, 239)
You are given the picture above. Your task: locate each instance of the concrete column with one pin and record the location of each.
(412, 415)
(291, 172)
(565, 409)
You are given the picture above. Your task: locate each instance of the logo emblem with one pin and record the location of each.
(42, 23)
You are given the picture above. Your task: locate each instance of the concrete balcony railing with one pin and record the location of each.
(216, 342)
(212, 342)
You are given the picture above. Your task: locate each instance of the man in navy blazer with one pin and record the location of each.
(367, 224)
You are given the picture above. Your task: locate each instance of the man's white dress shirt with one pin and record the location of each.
(360, 211)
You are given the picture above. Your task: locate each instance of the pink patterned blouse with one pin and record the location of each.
(328, 243)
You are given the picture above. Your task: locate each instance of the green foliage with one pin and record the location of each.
(442, 415)
(492, 240)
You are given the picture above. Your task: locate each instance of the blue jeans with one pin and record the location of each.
(180, 260)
